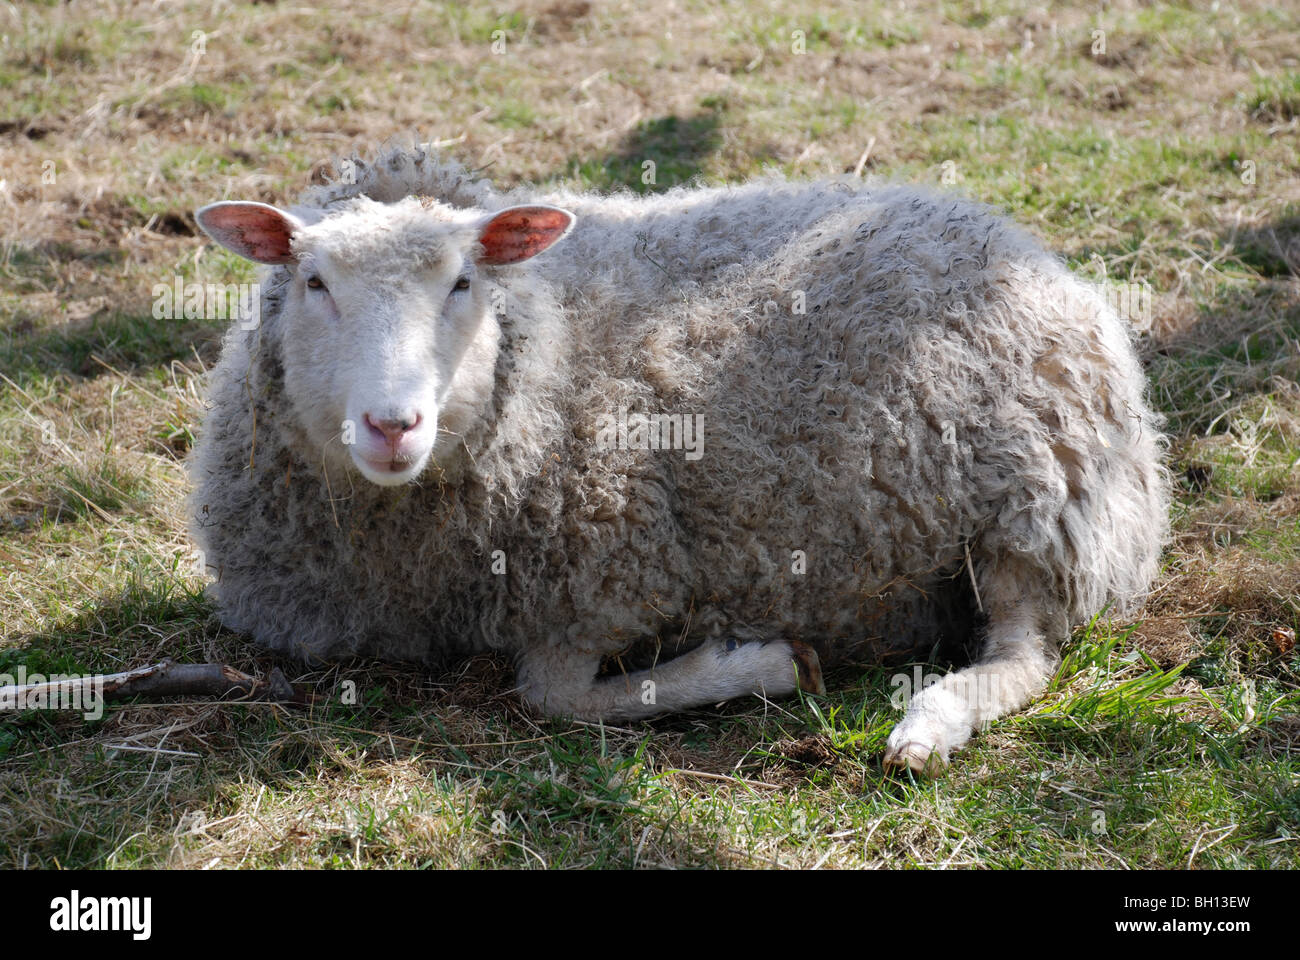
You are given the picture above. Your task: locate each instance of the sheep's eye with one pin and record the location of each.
(462, 284)
(315, 282)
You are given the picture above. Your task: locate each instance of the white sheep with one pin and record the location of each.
(882, 419)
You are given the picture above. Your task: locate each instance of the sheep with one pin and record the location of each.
(670, 450)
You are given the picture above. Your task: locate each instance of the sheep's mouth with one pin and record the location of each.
(390, 464)
(390, 470)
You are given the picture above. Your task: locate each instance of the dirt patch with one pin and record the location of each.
(813, 752)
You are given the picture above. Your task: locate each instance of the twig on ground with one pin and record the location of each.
(163, 679)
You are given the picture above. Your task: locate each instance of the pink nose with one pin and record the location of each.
(392, 430)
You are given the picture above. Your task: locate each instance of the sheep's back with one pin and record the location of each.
(881, 395)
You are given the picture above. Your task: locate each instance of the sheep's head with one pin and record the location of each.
(388, 333)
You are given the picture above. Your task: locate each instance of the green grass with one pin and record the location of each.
(1275, 99)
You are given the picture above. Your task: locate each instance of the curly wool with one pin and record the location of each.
(893, 385)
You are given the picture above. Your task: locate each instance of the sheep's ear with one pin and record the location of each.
(254, 230)
(518, 233)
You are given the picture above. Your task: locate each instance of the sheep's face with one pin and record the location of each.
(388, 333)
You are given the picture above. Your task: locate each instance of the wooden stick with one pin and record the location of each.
(164, 679)
(862, 160)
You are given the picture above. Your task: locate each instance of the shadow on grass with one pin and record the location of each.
(655, 156)
(1238, 344)
(90, 793)
(129, 341)
(1271, 249)
(1219, 372)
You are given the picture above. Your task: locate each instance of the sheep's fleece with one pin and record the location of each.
(916, 429)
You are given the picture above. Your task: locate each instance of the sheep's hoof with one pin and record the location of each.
(809, 667)
(923, 760)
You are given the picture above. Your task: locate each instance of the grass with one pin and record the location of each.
(1167, 158)
(1275, 99)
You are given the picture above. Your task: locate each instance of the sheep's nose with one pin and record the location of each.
(393, 428)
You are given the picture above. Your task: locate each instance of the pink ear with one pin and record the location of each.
(253, 230)
(518, 233)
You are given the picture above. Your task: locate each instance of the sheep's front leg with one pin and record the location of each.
(560, 681)
(1014, 666)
